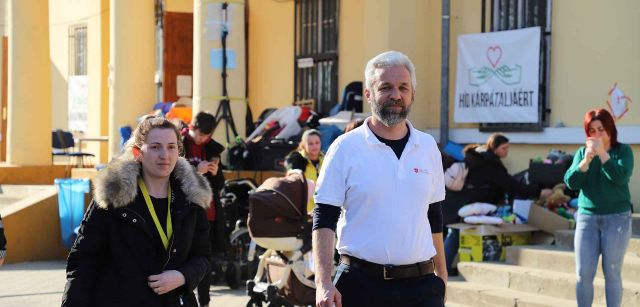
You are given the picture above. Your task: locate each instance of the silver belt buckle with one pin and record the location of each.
(384, 272)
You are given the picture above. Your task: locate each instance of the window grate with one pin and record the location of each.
(316, 52)
(516, 14)
(78, 49)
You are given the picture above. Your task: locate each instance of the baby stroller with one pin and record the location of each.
(237, 262)
(278, 222)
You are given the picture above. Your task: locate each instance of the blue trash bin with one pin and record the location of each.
(70, 207)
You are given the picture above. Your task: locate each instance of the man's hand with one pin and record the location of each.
(165, 282)
(445, 278)
(203, 167)
(1, 261)
(327, 295)
(439, 262)
(213, 168)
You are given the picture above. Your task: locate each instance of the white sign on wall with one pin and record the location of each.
(497, 77)
(77, 95)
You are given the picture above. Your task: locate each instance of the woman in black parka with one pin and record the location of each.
(144, 239)
(488, 181)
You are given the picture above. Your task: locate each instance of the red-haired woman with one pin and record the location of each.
(600, 171)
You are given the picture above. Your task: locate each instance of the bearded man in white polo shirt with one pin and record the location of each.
(386, 177)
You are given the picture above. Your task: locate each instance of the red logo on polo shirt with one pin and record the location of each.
(420, 170)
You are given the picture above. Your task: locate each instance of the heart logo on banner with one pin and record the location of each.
(493, 55)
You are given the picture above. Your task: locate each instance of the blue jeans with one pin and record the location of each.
(451, 245)
(601, 234)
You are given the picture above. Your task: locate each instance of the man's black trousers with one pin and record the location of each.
(359, 288)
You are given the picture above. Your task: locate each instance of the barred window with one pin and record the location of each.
(316, 52)
(516, 14)
(78, 49)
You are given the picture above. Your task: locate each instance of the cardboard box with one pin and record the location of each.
(547, 221)
(488, 242)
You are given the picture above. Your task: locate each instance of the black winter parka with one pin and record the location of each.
(487, 181)
(118, 246)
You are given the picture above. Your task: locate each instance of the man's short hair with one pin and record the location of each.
(204, 122)
(388, 59)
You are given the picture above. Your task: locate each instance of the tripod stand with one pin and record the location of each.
(224, 108)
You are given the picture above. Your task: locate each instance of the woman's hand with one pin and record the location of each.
(599, 149)
(166, 281)
(597, 145)
(589, 154)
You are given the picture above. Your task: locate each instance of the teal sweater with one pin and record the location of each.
(604, 188)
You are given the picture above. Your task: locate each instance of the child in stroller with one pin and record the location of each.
(278, 221)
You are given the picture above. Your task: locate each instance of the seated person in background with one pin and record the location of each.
(308, 158)
(487, 181)
(353, 125)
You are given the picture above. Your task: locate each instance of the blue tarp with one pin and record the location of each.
(71, 207)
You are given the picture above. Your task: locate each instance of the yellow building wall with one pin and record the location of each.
(94, 14)
(351, 38)
(29, 84)
(587, 57)
(368, 28)
(131, 65)
(594, 45)
(180, 6)
(104, 77)
(271, 56)
(207, 80)
(3, 32)
(465, 19)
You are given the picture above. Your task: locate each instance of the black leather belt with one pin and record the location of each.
(390, 271)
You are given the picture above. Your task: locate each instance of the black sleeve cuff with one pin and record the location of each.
(435, 217)
(326, 216)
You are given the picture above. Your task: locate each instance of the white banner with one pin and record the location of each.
(497, 77)
(77, 95)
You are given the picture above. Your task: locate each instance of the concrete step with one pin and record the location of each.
(549, 257)
(486, 294)
(453, 304)
(564, 240)
(541, 282)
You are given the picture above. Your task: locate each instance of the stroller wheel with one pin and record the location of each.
(232, 275)
(253, 303)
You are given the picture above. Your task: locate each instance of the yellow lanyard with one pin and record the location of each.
(164, 237)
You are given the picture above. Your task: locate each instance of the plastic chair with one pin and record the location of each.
(351, 99)
(125, 134)
(63, 145)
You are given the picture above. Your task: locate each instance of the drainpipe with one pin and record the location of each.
(159, 75)
(444, 77)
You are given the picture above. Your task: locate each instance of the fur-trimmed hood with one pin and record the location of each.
(117, 185)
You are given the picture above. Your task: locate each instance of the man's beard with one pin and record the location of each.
(389, 118)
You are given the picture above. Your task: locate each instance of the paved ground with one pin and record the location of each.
(42, 283)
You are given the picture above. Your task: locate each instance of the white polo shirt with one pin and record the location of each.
(385, 199)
